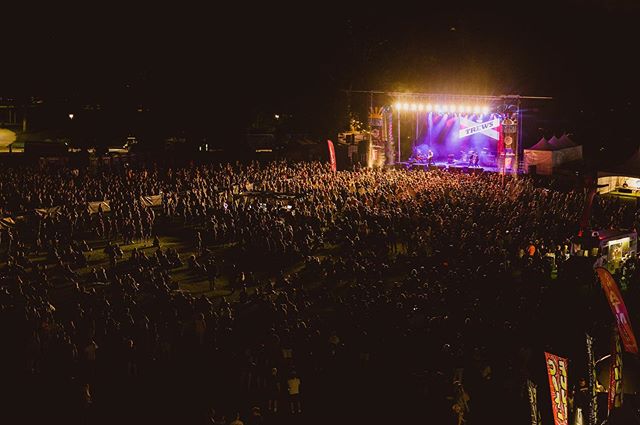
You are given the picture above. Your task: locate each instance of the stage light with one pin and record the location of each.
(460, 108)
(429, 107)
(405, 106)
(445, 108)
(485, 110)
(398, 106)
(452, 108)
(476, 109)
(414, 107)
(420, 106)
(468, 108)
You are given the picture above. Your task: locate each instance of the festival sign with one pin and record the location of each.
(619, 309)
(557, 371)
(486, 128)
(332, 155)
(593, 390)
(615, 373)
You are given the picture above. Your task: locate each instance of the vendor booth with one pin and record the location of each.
(623, 179)
(609, 248)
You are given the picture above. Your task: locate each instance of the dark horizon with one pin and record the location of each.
(214, 74)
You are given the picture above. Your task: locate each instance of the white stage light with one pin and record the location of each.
(485, 110)
(420, 106)
(429, 107)
(398, 106)
(414, 107)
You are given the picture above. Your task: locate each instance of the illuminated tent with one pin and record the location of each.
(563, 142)
(6, 138)
(547, 154)
(614, 178)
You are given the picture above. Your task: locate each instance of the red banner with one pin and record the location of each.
(557, 370)
(615, 373)
(619, 309)
(332, 155)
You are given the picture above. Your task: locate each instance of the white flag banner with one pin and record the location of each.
(486, 128)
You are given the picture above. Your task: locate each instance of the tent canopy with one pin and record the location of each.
(629, 168)
(542, 145)
(564, 142)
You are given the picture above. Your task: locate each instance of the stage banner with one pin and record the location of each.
(390, 146)
(557, 370)
(469, 128)
(593, 388)
(376, 116)
(533, 403)
(377, 155)
(619, 309)
(332, 155)
(615, 373)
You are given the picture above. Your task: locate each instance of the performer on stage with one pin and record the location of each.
(476, 159)
(429, 157)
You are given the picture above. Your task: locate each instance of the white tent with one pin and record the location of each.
(564, 142)
(616, 177)
(545, 155)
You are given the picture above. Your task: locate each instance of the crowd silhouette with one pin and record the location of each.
(327, 297)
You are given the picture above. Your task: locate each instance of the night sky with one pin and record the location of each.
(215, 70)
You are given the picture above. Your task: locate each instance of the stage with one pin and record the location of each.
(459, 167)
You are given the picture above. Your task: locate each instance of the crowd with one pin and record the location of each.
(364, 295)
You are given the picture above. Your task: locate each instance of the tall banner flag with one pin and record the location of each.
(557, 371)
(619, 309)
(332, 155)
(378, 139)
(533, 403)
(593, 388)
(615, 373)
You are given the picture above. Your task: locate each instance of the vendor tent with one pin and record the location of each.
(624, 177)
(547, 154)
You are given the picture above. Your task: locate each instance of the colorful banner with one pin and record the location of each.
(615, 373)
(332, 155)
(557, 370)
(376, 116)
(619, 309)
(593, 389)
(533, 402)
